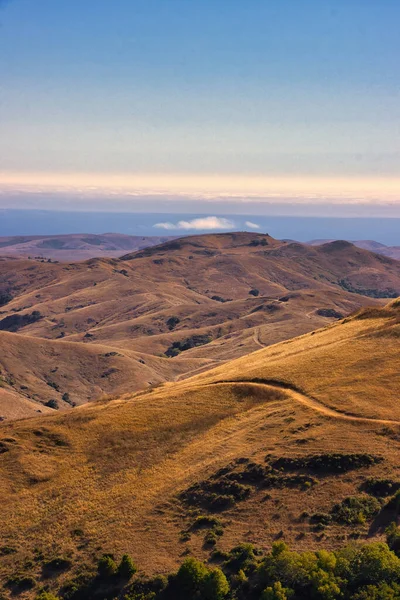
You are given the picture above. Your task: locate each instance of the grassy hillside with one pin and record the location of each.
(271, 444)
(173, 310)
(75, 247)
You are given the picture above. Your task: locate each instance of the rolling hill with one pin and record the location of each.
(75, 247)
(371, 245)
(272, 445)
(169, 311)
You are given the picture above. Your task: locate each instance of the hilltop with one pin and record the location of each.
(371, 245)
(169, 311)
(270, 445)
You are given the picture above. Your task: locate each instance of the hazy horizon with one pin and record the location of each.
(40, 222)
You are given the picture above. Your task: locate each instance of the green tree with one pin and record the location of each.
(126, 568)
(106, 567)
(215, 585)
(378, 592)
(276, 592)
(189, 579)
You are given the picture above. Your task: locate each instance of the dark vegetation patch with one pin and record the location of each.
(191, 342)
(109, 372)
(215, 495)
(329, 312)
(331, 462)
(3, 448)
(55, 566)
(254, 292)
(172, 322)
(5, 297)
(234, 483)
(50, 439)
(52, 404)
(220, 299)
(259, 242)
(370, 292)
(15, 322)
(380, 488)
(355, 510)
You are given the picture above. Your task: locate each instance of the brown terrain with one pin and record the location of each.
(371, 245)
(75, 247)
(269, 444)
(76, 332)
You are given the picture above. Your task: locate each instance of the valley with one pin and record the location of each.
(104, 326)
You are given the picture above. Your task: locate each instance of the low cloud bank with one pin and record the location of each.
(252, 225)
(202, 223)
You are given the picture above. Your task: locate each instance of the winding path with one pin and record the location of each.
(308, 401)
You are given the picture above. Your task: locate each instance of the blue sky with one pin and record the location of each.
(160, 93)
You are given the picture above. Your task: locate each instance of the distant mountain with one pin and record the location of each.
(75, 247)
(371, 245)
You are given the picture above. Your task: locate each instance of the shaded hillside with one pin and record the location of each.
(271, 445)
(75, 247)
(371, 245)
(178, 308)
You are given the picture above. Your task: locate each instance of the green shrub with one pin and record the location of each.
(46, 596)
(106, 567)
(355, 510)
(126, 568)
(172, 322)
(383, 591)
(393, 537)
(190, 577)
(205, 521)
(52, 404)
(254, 292)
(5, 297)
(276, 592)
(380, 487)
(215, 585)
(210, 539)
(332, 462)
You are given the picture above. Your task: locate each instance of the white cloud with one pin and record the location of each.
(198, 224)
(252, 225)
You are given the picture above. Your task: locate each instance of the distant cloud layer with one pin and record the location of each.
(252, 225)
(199, 224)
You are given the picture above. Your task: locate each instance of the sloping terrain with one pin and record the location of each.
(272, 445)
(171, 311)
(371, 245)
(75, 247)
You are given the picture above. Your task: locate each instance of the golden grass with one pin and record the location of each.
(124, 306)
(114, 469)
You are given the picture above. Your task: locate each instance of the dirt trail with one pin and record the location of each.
(310, 402)
(256, 338)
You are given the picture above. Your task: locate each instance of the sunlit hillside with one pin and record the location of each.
(169, 312)
(262, 443)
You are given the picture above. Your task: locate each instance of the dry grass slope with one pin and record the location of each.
(115, 471)
(112, 321)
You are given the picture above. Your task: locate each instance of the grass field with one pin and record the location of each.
(118, 475)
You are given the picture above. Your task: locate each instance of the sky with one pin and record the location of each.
(108, 103)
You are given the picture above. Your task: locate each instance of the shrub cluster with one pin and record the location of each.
(233, 483)
(191, 342)
(14, 322)
(334, 462)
